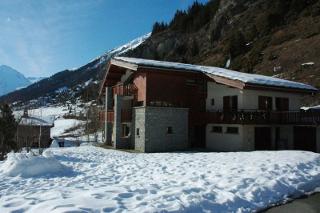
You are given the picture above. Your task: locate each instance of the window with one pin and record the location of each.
(230, 103)
(282, 104)
(232, 130)
(138, 132)
(216, 129)
(265, 103)
(125, 130)
(169, 130)
(212, 102)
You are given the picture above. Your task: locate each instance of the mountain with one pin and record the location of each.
(35, 79)
(277, 38)
(78, 82)
(11, 79)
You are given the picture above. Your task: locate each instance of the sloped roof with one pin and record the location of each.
(246, 78)
(36, 121)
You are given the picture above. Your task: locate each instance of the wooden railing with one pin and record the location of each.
(125, 90)
(258, 117)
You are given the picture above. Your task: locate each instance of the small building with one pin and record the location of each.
(34, 132)
(157, 106)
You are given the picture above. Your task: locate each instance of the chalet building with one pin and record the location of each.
(156, 106)
(33, 132)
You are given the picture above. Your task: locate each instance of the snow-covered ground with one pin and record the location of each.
(62, 125)
(101, 180)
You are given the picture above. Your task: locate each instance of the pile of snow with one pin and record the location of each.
(27, 165)
(114, 181)
(221, 72)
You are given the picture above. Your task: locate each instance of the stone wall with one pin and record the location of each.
(153, 124)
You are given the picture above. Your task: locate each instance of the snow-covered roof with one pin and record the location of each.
(317, 108)
(246, 78)
(37, 121)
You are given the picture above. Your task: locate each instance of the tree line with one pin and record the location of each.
(8, 128)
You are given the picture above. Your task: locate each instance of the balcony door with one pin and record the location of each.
(282, 104)
(265, 103)
(230, 103)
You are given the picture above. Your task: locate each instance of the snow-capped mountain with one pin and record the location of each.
(79, 81)
(35, 79)
(11, 79)
(120, 50)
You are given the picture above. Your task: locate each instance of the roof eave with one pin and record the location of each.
(280, 88)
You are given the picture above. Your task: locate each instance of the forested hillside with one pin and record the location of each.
(278, 38)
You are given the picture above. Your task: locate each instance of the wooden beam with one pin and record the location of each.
(124, 64)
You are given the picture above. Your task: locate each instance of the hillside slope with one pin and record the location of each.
(277, 38)
(11, 79)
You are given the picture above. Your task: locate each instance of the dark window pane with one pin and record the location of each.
(235, 103)
(216, 129)
(265, 103)
(226, 103)
(282, 104)
(232, 130)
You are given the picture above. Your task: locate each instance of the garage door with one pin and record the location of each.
(305, 138)
(262, 138)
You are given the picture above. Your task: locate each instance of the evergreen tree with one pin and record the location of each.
(8, 127)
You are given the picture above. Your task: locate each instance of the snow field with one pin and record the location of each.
(61, 125)
(114, 181)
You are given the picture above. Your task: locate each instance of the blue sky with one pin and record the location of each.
(42, 37)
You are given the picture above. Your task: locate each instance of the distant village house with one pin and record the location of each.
(34, 132)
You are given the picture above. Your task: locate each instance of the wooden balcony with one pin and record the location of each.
(257, 117)
(124, 90)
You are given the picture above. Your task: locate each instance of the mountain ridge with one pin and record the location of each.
(74, 79)
(11, 79)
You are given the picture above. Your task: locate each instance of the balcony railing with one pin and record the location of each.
(124, 90)
(258, 117)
